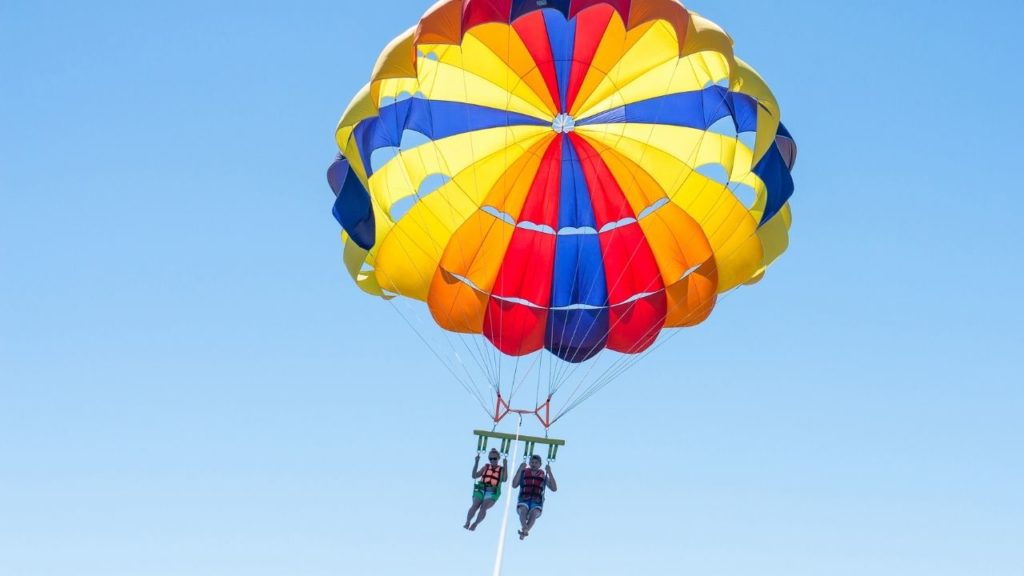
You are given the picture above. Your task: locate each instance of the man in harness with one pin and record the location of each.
(532, 482)
(488, 489)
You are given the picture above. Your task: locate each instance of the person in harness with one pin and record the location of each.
(487, 490)
(532, 482)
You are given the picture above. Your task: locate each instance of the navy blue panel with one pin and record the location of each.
(336, 174)
(578, 272)
(562, 37)
(574, 207)
(579, 267)
(777, 179)
(439, 119)
(714, 104)
(613, 116)
(744, 111)
(784, 132)
(699, 110)
(576, 335)
(352, 208)
(435, 119)
(579, 277)
(523, 7)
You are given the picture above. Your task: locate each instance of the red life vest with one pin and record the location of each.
(532, 484)
(491, 475)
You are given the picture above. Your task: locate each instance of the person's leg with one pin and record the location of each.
(477, 501)
(524, 517)
(534, 514)
(487, 505)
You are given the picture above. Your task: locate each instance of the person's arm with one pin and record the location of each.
(519, 475)
(476, 468)
(504, 470)
(551, 479)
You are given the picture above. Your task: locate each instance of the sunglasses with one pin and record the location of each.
(492, 458)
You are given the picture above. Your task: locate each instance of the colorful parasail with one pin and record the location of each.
(563, 177)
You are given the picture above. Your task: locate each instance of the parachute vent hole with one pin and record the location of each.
(563, 124)
(725, 126)
(381, 156)
(745, 194)
(428, 55)
(715, 172)
(412, 139)
(429, 185)
(432, 183)
(503, 216)
(402, 207)
(711, 82)
(618, 224)
(652, 208)
(542, 228)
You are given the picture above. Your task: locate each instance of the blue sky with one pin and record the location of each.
(189, 383)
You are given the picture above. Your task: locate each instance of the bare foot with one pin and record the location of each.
(467, 526)
(523, 534)
(473, 527)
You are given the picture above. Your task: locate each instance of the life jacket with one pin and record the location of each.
(532, 484)
(491, 475)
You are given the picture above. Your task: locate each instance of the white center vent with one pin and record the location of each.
(563, 124)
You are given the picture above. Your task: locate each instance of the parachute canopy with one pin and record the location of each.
(572, 176)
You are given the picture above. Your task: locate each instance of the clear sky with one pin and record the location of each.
(190, 384)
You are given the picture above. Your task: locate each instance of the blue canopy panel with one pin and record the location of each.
(578, 321)
(562, 39)
(435, 119)
(773, 171)
(698, 109)
(784, 132)
(352, 208)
